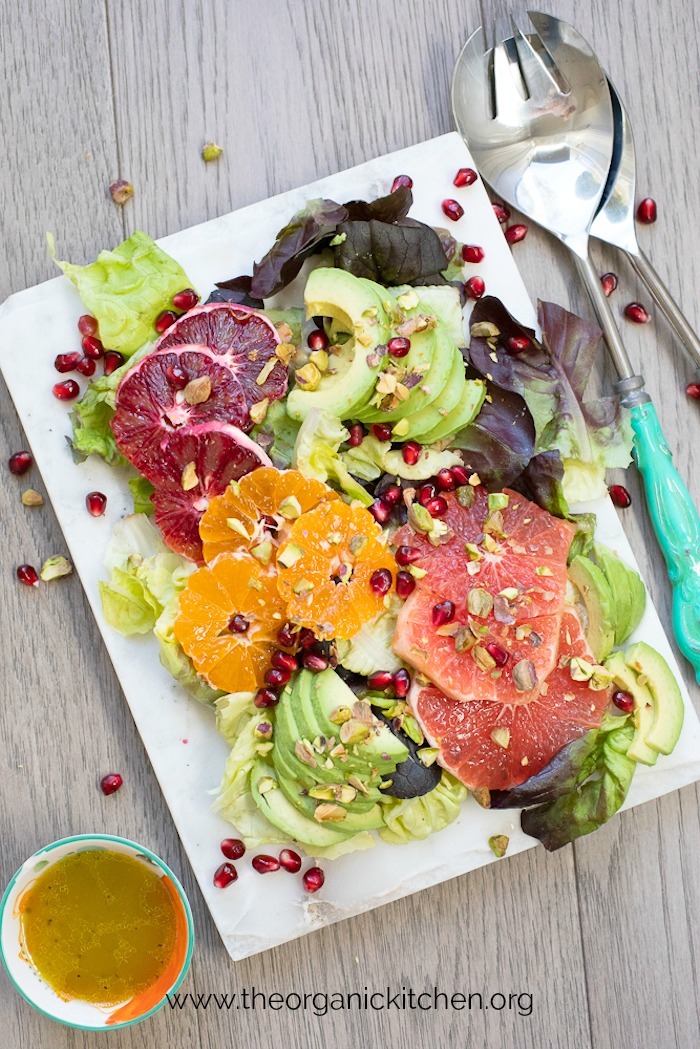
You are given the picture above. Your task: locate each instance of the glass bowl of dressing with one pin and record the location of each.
(96, 932)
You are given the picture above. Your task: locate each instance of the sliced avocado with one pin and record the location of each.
(426, 356)
(669, 711)
(431, 415)
(350, 380)
(598, 599)
(469, 406)
(382, 749)
(625, 678)
(442, 300)
(629, 593)
(283, 815)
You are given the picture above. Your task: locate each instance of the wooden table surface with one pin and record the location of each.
(604, 935)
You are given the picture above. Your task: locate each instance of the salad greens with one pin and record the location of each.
(414, 819)
(373, 457)
(126, 289)
(93, 413)
(316, 453)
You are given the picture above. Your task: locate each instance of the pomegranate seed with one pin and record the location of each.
(460, 474)
(224, 875)
(186, 299)
(623, 701)
(112, 361)
(405, 584)
(233, 848)
(164, 320)
(391, 495)
(381, 431)
(501, 212)
(426, 492)
(474, 288)
(290, 860)
(407, 555)
(411, 453)
(380, 680)
(277, 678)
(287, 636)
(443, 612)
(620, 496)
(111, 783)
(634, 311)
(646, 211)
(380, 581)
(317, 340)
(20, 462)
(66, 362)
(86, 366)
(516, 233)
(357, 435)
(96, 503)
(497, 653)
(518, 343)
(609, 282)
(472, 253)
(445, 480)
(401, 683)
(265, 697)
(313, 879)
(92, 347)
(265, 864)
(28, 575)
(66, 391)
(436, 507)
(176, 376)
(452, 209)
(380, 511)
(692, 389)
(398, 347)
(307, 638)
(401, 180)
(284, 661)
(87, 325)
(465, 177)
(238, 624)
(314, 662)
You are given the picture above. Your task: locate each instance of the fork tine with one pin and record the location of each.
(539, 71)
(507, 81)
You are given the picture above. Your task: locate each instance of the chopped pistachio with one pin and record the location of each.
(428, 755)
(32, 498)
(263, 552)
(55, 568)
(484, 330)
(464, 640)
(473, 550)
(263, 748)
(328, 813)
(480, 602)
(401, 428)
(356, 544)
(290, 508)
(290, 555)
(412, 729)
(263, 730)
(238, 527)
(409, 300)
(501, 736)
(320, 359)
(305, 752)
(498, 843)
(580, 669)
(198, 390)
(302, 586)
(465, 495)
(210, 151)
(338, 239)
(439, 533)
(353, 731)
(490, 544)
(482, 796)
(189, 478)
(121, 191)
(344, 794)
(308, 377)
(419, 518)
(259, 411)
(285, 351)
(266, 784)
(340, 715)
(482, 658)
(543, 570)
(497, 500)
(510, 593)
(254, 584)
(322, 792)
(359, 786)
(474, 480)
(494, 524)
(524, 675)
(416, 572)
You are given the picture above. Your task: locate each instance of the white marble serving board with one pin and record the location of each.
(178, 732)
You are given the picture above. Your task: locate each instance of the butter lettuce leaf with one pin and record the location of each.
(372, 458)
(127, 603)
(126, 289)
(316, 454)
(93, 413)
(415, 819)
(370, 649)
(141, 492)
(277, 435)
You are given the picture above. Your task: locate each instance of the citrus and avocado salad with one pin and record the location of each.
(352, 535)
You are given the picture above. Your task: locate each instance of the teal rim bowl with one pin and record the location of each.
(85, 1016)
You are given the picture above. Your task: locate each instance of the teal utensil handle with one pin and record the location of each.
(676, 524)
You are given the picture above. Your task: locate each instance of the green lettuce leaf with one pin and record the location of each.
(175, 661)
(141, 492)
(414, 819)
(126, 289)
(93, 413)
(316, 454)
(372, 458)
(371, 649)
(127, 603)
(294, 317)
(277, 434)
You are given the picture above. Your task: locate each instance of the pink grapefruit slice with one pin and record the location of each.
(245, 340)
(500, 745)
(180, 386)
(198, 463)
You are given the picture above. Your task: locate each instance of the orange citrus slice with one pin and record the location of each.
(325, 565)
(254, 511)
(230, 612)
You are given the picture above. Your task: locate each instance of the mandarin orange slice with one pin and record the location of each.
(325, 565)
(256, 510)
(230, 612)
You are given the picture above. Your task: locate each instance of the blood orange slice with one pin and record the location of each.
(181, 386)
(198, 462)
(245, 339)
(500, 745)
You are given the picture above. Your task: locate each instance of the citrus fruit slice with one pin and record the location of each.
(325, 567)
(500, 745)
(257, 509)
(229, 615)
(180, 386)
(246, 341)
(197, 463)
